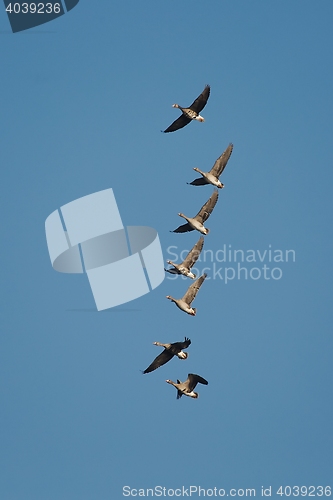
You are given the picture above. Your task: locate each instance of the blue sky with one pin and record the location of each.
(83, 101)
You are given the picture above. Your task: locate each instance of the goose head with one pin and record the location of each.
(194, 395)
(197, 170)
(200, 118)
(170, 298)
(175, 105)
(220, 185)
(182, 355)
(205, 230)
(182, 215)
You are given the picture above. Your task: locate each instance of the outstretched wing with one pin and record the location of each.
(179, 394)
(201, 101)
(199, 182)
(193, 254)
(172, 270)
(160, 360)
(193, 289)
(183, 229)
(208, 207)
(222, 161)
(193, 380)
(177, 124)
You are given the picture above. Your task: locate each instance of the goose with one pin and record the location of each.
(170, 350)
(189, 261)
(191, 113)
(187, 388)
(185, 302)
(212, 177)
(201, 217)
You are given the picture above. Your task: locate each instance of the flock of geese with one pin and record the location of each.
(192, 223)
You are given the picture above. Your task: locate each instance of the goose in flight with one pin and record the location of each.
(197, 222)
(191, 113)
(185, 302)
(189, 261)
(187, 388)
(170, 350)
(212, 177)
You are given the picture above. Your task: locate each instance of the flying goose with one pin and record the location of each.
(191, 113)
(170, 350)
(201, 217)
(189, 261)
(212, 177)
(185, 302)
(187, 388)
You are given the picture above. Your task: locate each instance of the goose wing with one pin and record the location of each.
(179, 346)
(201, 101)
(160, 360)
(193, 290)
(183, 229)
(199, 182)
(172, 270)
(222, 161)
(207, 209)
(179, 394)
(193, 254)
(182, 386)
(193, 380)
(177, 124)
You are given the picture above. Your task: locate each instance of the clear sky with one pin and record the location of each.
(83, 100)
